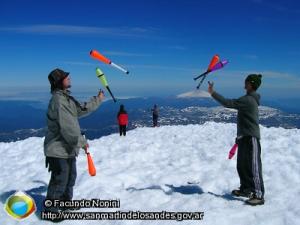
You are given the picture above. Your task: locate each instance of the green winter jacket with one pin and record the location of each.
(247, 118)
(63, 137)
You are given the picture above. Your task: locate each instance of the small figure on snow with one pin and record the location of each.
(155, 115)
(122, 120)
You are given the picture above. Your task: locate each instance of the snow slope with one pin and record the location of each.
(148, 170)
(194, 94)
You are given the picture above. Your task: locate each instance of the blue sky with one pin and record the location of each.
(164, 44)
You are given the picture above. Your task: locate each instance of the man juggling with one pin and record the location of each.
(249, 164)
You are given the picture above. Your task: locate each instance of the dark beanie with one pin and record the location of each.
(254, 80)
(56, 76)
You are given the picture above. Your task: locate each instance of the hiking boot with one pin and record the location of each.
(241, 193)
(253, 201)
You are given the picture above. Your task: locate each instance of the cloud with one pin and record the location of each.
(194, 94)
(279, 75)
(270, 79)
(51, 29)
(265, 73)
(74, 63)
(117, 53)
(167, 67)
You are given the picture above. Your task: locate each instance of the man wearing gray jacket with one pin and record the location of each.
(63, 138)
(249, 164)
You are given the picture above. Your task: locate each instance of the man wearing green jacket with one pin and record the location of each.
(63, 138)
(249, 164)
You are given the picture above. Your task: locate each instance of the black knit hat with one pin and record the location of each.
(254, 80)
(56, 77)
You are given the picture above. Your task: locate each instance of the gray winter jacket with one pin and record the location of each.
(247, 118)
(63, 137)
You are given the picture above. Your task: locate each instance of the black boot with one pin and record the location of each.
(253, 201)
(242, 193)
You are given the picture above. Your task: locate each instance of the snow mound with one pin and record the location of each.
(194, 94)
(148, 170)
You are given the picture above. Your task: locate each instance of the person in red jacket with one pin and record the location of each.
(122, 120)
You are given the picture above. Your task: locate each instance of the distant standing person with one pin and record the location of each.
(249, 164)
(122, 120)
(155, 115)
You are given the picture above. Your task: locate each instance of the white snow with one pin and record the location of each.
(194, 94)
(148, 170)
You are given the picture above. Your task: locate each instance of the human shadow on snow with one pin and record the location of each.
(183, 189)
(226, 196)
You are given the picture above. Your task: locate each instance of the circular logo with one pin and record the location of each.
(20, 205)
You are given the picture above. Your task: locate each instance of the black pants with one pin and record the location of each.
(122, 130)
(155, 121)
(63, 176)
(249, 166)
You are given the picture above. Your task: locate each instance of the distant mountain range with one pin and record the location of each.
(22, 119)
